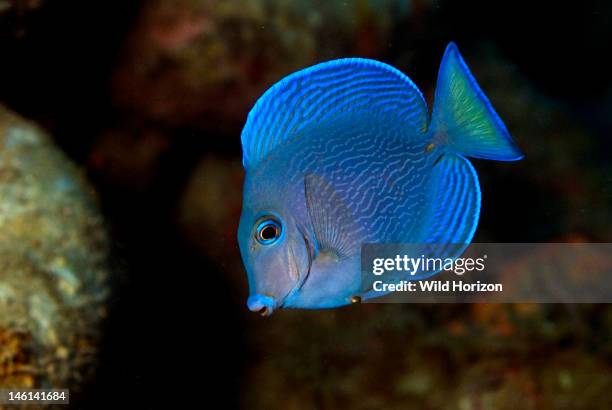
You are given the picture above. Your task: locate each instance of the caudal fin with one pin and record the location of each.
(464, 118)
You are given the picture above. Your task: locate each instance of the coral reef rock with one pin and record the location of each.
(53, 260)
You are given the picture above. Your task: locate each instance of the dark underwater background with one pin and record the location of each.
(148, 98)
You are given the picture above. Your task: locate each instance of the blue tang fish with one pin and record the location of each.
(344, 153)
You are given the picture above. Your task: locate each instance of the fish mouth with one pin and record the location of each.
(264, 305)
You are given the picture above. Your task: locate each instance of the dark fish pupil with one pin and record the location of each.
(268, 232)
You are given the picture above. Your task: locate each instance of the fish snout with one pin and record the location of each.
(264, 305)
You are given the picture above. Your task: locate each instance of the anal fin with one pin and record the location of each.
(454, 202)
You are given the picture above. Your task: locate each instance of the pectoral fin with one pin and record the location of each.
(334, 227)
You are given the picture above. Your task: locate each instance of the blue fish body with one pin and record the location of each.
(344, 153)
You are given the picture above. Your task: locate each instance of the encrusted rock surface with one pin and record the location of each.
(53, 250)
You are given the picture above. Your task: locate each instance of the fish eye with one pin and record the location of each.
(268, 231)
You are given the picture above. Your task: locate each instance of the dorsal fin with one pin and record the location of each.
(317, 93)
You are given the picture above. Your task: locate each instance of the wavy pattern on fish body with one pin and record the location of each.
(379, 171)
